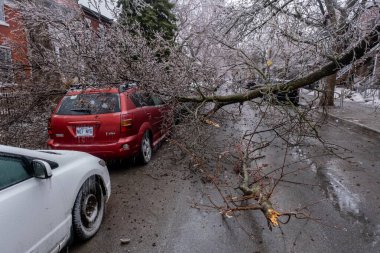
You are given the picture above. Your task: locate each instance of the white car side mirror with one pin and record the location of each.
(41, 169)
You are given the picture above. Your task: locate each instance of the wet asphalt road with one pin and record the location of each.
(151, 205)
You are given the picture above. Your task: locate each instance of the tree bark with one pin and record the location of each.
(329, 88)
(327, 98)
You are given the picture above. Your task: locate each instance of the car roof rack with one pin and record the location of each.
(75, 87)
(122, 86)
(126, 86)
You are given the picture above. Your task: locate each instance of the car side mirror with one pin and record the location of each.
(41, 169)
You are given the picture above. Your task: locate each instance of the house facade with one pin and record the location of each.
(365, 72)
(13, 45)
(16, 51)
(96, 21)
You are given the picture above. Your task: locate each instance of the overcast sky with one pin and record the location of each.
(102, 7)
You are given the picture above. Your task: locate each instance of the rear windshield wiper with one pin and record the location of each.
(81, 110)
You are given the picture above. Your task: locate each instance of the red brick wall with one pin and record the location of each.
(14, 36)
(71, 4)
(94, 22)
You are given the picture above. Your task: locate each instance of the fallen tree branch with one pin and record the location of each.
(357, 52)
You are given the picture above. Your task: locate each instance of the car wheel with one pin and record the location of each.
(88, 209)
(146, 148)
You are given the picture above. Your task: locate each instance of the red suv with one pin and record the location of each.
(111, 123)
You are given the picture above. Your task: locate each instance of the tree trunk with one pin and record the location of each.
(327, 98)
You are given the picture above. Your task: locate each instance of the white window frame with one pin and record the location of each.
(9, 63)
(2, 14)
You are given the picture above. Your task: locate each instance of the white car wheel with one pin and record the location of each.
(88, 209)
(146, 148)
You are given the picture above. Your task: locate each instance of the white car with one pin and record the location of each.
(48, 197)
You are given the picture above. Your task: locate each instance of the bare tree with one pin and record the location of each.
(315, 32)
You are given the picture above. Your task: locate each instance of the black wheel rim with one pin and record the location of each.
(146, 148)
(90, 210)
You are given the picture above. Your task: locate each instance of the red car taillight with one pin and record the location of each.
(126, 123)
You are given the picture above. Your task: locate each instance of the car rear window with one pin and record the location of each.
(141, 99)
(94, 103)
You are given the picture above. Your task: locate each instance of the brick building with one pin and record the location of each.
(95, 20)
(365, 71)
(15, 48)
(13, 44)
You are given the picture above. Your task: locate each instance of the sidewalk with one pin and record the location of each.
(353, 114)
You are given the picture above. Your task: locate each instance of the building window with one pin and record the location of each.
(2, 16)
(6, 73)
(88, 23)
(102, 30)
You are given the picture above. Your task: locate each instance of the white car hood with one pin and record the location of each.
(61, 157)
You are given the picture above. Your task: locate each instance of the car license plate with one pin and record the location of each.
(85, 131)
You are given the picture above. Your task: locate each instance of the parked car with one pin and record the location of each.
(48, 197)
(291, 96)
(111, 123)
(312, 86)
(250, 84)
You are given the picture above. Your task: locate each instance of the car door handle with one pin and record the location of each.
(149, 115)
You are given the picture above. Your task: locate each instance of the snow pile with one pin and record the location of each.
(356, 97)
(307, 92)
(369, 97)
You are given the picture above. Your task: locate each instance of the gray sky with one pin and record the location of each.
(100, 5)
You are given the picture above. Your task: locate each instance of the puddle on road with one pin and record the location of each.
(299, 154)
(347, 201)
(376, 241)
(336, 186)
(332, 178)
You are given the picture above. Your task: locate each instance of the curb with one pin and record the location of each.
(355, 126)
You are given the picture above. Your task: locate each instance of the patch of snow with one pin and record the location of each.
(312, 165)
(339, 90)
(314, 168)
(357, 97)
(377, 236)
(307, 92)
(369, 97)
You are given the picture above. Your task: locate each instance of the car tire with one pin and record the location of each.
(145, 148)
(88, 210)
